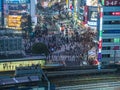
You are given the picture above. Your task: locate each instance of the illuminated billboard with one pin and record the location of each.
(14, 21)
(11, 65)
(116, 13)
(111, 2)
(91, 2)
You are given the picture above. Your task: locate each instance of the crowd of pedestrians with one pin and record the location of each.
(68, 46)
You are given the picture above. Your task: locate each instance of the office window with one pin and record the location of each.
(106, 13)
(107, 40)
(111, 22)
(106, 48)
(111, 31)
(105, 55)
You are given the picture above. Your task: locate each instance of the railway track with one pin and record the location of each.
(79, 72)
(90, 86)
(81, 77)
(82, 80)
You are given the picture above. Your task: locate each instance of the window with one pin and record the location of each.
(105, 55)
(111, 22)
(111, 31)
(107, 40)
(106, 13)
(106, 48)
(116, 40)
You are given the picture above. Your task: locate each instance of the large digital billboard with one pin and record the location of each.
(14, 21)
(91, 2)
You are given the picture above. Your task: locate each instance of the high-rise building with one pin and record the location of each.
(87, 13)
(15, 9)
(1, 14)
(109, 31)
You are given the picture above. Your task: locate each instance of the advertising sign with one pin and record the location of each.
(14, 21)
(92, 23)
(111, 2)
(91, 2)
(17, 1)
(116, 13)
(9, 66)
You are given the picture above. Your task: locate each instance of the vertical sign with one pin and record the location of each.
(67, 3)
(100, 37)
(85, 14)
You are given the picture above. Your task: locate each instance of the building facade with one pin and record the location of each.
(87, 13)
(15, 9)
(1, 14)
(11, 45)
(109, 31)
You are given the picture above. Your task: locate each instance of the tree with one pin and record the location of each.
(40, 48)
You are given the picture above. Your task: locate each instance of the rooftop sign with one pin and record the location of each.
(111, 2)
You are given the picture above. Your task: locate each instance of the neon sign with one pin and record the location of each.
(116, 13)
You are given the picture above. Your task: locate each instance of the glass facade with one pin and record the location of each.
(1, 12)
(110, 34)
